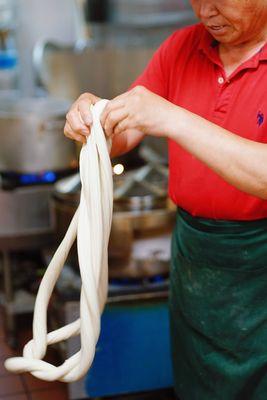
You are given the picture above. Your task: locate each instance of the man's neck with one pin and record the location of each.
(233, 56)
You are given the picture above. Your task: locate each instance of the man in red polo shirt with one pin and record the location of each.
(205, 91)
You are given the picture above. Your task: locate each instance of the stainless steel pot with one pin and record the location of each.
(31, 135)
(141, 210)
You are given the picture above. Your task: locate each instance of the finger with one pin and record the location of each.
(68, 132)
(112, 105)
(117, 102)
(79, 138)
(85, 113)
(113, 118)
(122, 96)
(77, 126)
(121, 127)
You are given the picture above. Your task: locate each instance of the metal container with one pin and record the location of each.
(116, 40)
(141, 211)
(150, 12)
(26, 218)
(31, 136)
(131, 24)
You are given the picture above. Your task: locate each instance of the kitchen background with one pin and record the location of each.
(50, 52)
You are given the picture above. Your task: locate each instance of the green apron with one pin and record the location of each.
(218, 309)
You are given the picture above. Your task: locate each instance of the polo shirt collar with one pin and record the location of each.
(209, 46)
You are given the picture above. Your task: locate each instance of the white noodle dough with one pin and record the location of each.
(91, 223)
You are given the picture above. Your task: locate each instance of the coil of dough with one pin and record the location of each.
(91, 224)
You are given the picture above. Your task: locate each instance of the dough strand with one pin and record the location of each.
(91, 224)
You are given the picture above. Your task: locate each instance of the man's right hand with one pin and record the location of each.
(79, 118)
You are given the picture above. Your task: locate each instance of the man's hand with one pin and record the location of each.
(138, 110)
(79, 118)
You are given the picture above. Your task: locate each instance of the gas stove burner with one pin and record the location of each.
(130, 282)
(156, 283)
(45, 177)
(12, 180)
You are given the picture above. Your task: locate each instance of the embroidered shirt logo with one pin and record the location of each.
(260, 118)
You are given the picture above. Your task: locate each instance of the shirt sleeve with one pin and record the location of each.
(155, 76)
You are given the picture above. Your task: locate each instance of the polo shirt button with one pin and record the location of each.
(220, 80)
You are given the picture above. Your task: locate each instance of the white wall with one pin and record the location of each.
(39, 19)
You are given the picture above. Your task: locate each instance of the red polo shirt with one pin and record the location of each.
(187, 71)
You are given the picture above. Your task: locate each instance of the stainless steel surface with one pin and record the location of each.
(141, 210)
(102, 69)
(126, 227)
(142, 190)
(14, 301)
(148, 257)
(147, 220)
(109, 55)
(26, 223)
(149, 13)
(31, 136)
(25, 211)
